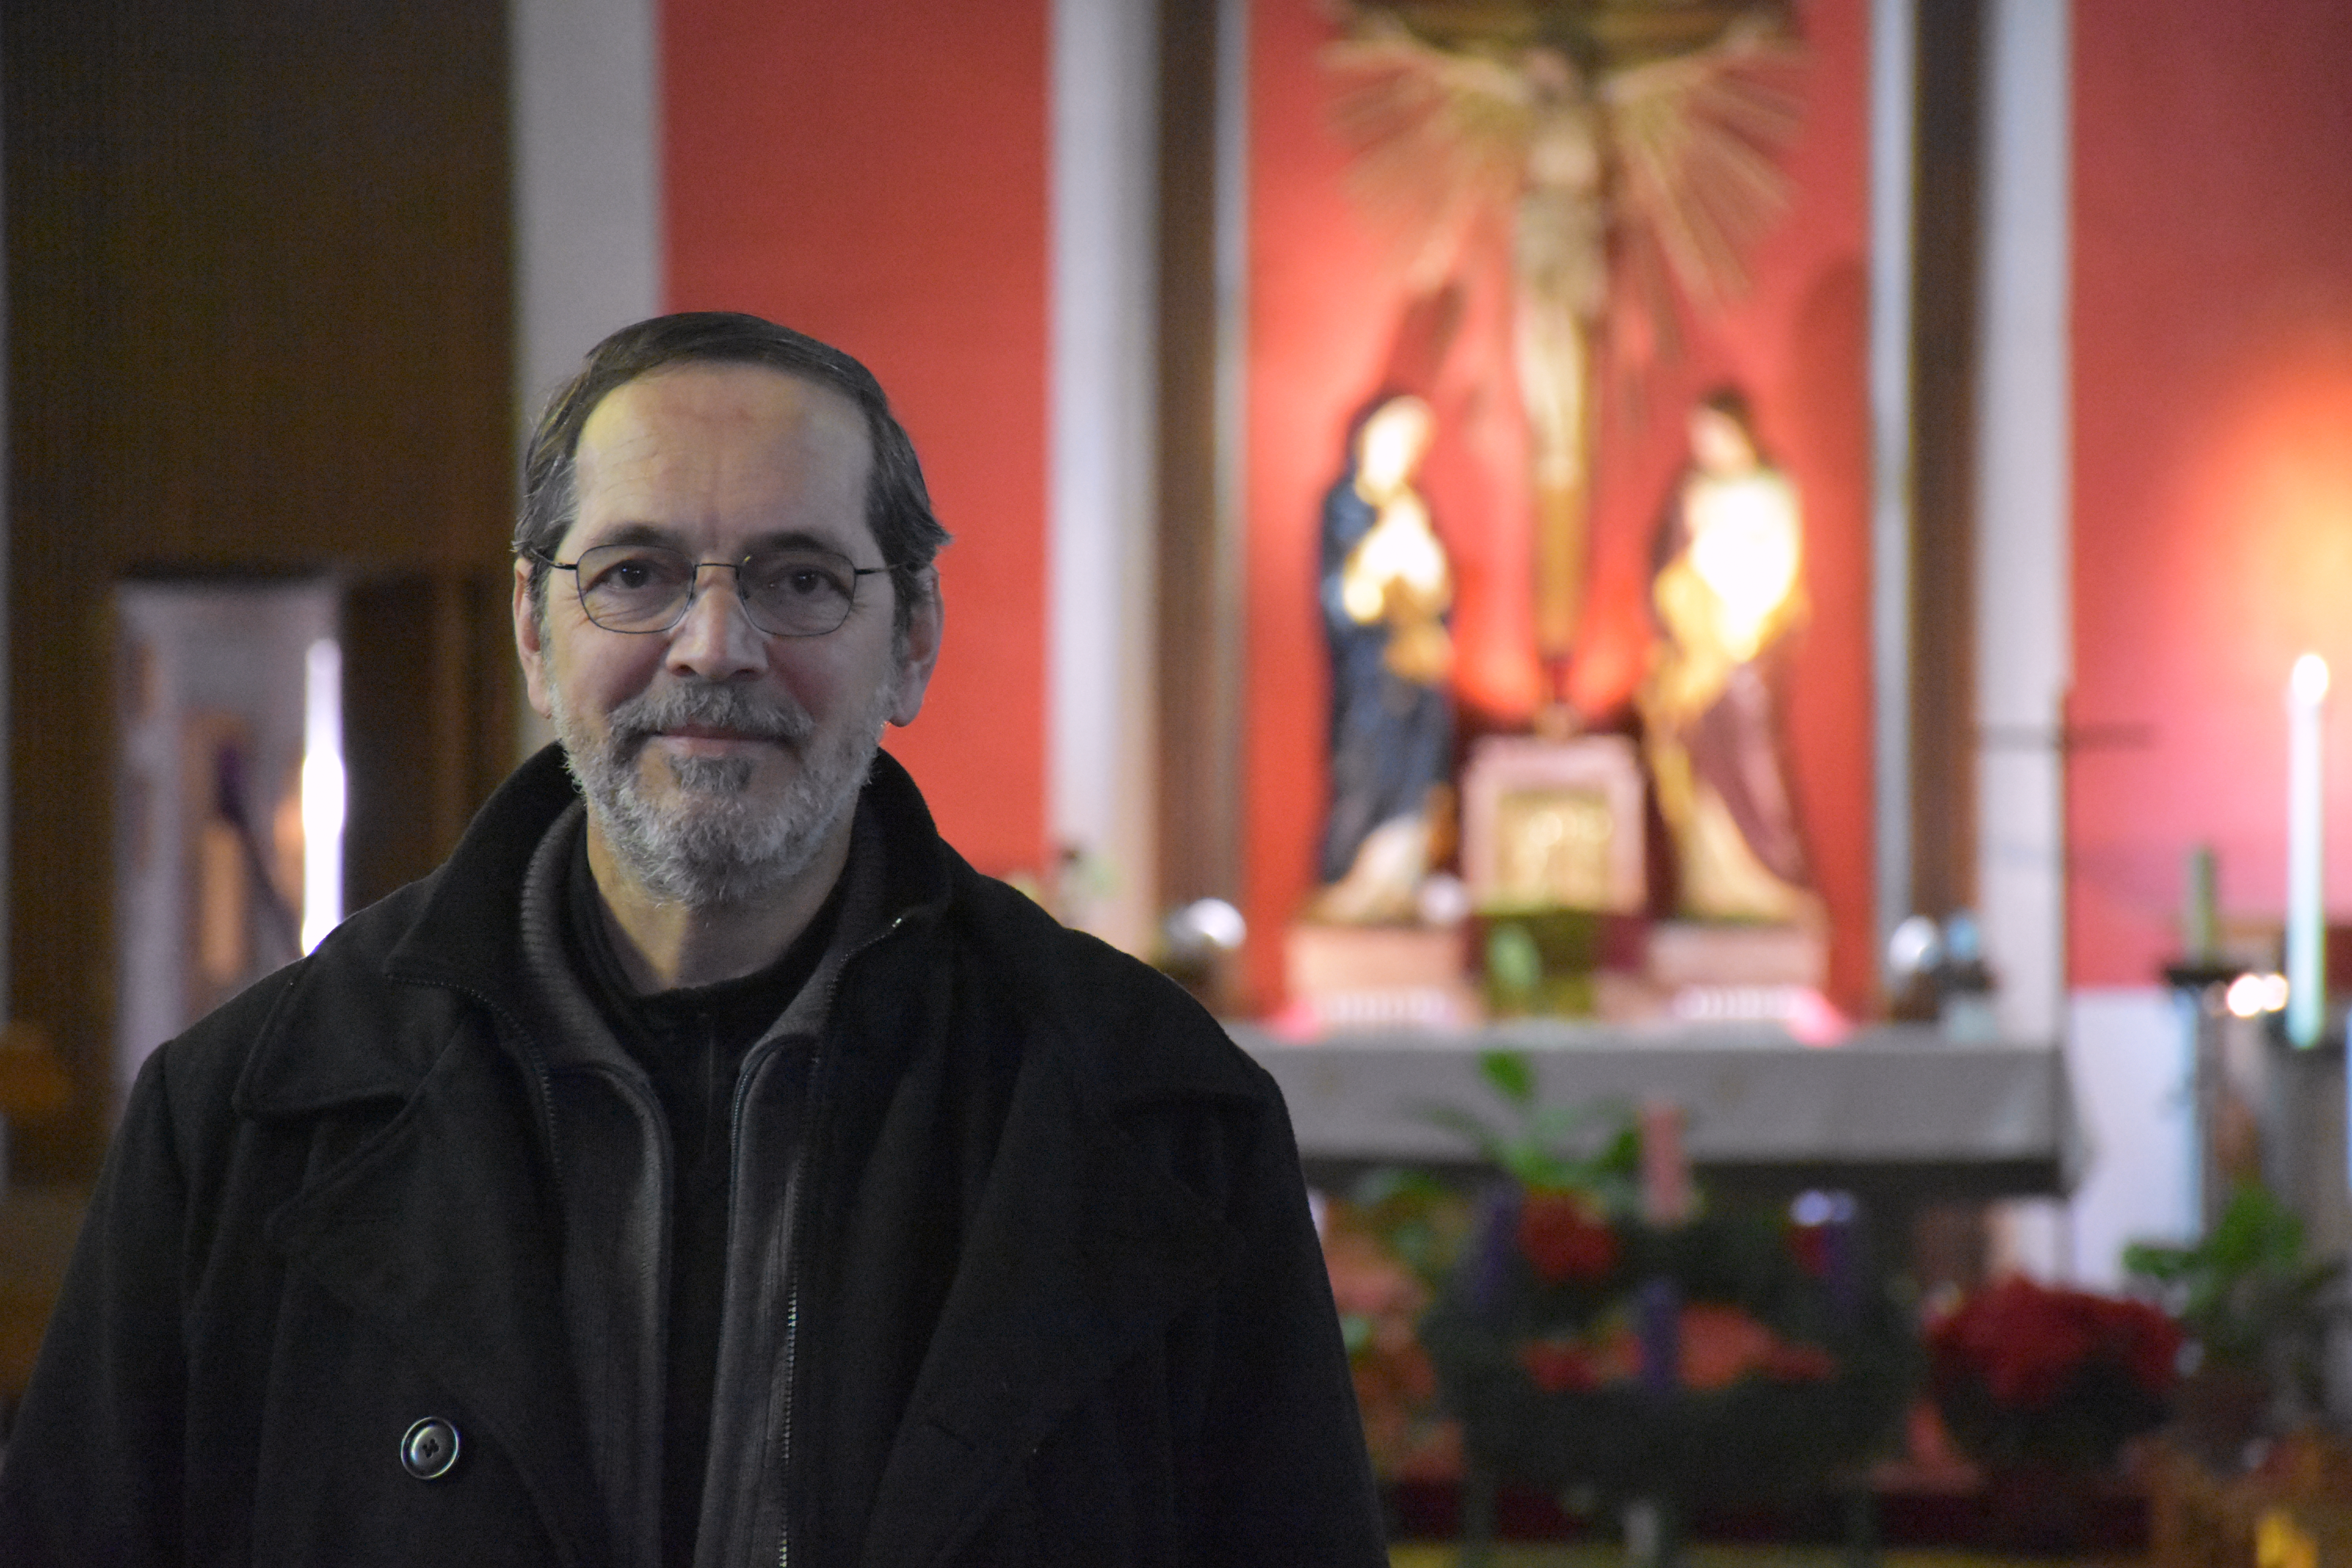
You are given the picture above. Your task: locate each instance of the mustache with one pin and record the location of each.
(764, 716)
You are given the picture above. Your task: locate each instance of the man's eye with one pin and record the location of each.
(799, 579)
(634, 573)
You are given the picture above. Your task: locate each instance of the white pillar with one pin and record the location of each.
(1100, 708)
(585, 79)
(2024, 516)
(585, 96)
(1892, 100)
(2023, 575)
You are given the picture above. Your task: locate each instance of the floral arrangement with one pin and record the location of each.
(1601, 1329)
(2028, 1375)
(1388, 1245)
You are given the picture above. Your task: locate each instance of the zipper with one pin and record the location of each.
(784, 1443)
(795, 1204)
(543, 1097)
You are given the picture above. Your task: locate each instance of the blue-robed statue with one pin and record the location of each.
(1386, 589)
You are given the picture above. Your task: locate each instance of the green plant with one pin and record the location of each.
(2248, 1293)
(1593, 1149)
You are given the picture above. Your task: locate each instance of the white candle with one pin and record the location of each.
(2306, 947)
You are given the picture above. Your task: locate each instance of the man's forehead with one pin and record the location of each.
(721, 421)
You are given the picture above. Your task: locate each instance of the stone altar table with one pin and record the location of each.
(1897, 1115)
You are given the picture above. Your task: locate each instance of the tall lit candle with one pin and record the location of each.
(2306, 946)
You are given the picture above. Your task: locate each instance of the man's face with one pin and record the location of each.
(717, 760)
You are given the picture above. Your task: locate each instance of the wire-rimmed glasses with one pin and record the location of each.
(788, 591)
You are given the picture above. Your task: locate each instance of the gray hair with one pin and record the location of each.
(897, 505)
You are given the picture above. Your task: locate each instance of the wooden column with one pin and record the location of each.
(1944, 325)
(1198, 657)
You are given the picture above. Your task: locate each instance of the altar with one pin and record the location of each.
(1899, 1115)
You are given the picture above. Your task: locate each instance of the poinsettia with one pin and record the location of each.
(1810, 1245)
(2023, 1372)
(2026, 1342)
(1565, 1235)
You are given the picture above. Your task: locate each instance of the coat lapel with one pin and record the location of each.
(443, 1233)
(1079, 1253)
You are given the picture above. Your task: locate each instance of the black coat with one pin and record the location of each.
(1062, 1300)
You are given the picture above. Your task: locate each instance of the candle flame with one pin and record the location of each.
(2309, 682)
(2252, 996)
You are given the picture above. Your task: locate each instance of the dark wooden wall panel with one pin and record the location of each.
(1945, 290)
(428, 672)
(1199, 653)
(258, 317)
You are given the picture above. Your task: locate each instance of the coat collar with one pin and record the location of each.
(468, 934)
(326, 1042)
(349, 1026)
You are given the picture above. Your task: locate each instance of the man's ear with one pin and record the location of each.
(918, 652)
(527, 630)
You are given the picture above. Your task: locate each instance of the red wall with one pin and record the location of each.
(2212, 429)
(876, 176)
(807, 176)
(1323, 296)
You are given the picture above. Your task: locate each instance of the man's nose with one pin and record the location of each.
(715, 639)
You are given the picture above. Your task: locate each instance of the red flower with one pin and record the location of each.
(1558, 1366)
(1810, 1245)
(2026, 1342)
(1564, 1237)
(1789, 1363)
(2146, 1341)
(1720, 1344)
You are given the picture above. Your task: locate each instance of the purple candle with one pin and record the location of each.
(1842, 1244)
(1497, 1242)
(1658, 1326)
(1835, 1221)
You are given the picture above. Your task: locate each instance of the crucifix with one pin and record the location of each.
(1627, 147)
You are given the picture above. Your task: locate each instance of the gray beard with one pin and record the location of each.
(714, 847)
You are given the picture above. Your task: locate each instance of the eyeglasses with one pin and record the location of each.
(796, 591)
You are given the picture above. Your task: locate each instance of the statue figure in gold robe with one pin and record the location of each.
(1728, 588)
